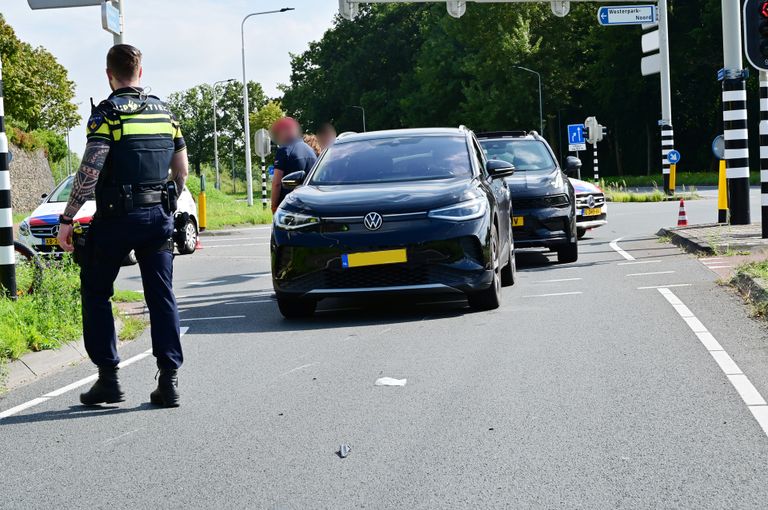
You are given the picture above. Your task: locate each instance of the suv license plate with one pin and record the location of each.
(373, 258)
(518, 221)
(51, 241)
(592, 212)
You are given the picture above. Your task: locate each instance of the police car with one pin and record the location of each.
(591, 206)
(39, 230)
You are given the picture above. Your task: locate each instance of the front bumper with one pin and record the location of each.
(441, 257)
(546, 227)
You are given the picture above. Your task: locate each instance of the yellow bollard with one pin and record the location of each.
(722, 195)
(672, 178)
(202, 216)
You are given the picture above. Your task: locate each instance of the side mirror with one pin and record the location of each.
(497, 168)
(294, 180)
(572, 165)
(43, 196)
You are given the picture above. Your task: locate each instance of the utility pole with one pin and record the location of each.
(735, 115)
(119, 38)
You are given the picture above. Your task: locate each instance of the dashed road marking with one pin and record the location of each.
(649, 274)
(555, 294)
(664, 286)
(615, 245)
(741, 383)
(558, 280)
(203, 284)
(251, 302)
(215, 318)
(638, 262)
(73, 386)
(209, 246)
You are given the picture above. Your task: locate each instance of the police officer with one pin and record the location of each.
(133, 141)
(292, 155)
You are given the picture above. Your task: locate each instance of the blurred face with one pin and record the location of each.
(287, 134)
(326, 138)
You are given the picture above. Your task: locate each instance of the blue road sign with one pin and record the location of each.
(575, 134)
(673, 157)
(627, 15)
(271, 169)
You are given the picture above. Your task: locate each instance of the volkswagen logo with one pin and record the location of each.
(373, 221)
(591, 201)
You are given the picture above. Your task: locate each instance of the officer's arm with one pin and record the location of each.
(94, 158)
(277, 186)
(180, 169)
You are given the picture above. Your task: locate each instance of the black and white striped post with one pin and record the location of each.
(7, 253)
(667, 144)
(263, 183)
(764, 151)
(736, 149)
(595, 162)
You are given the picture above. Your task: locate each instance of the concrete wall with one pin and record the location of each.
(30, 178)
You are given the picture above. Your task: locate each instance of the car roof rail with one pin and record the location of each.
(346, 134)
(502, 134)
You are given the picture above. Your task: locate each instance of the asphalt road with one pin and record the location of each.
(589, 388)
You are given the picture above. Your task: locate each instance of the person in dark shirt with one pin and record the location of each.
(292, 155)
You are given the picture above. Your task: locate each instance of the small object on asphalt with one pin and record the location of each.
(389, 381)
(279, 414)
(344, 450)
(490, 428)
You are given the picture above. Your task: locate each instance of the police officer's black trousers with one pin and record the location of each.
(110, 240)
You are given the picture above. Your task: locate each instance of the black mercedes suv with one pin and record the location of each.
(543, 198)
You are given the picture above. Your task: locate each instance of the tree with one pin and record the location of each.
(267, 115)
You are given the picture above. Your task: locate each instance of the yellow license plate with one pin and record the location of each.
(51, 241)
(518, 221)
(374, 258)
(592, 212)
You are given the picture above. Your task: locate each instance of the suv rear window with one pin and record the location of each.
(526, 155)
(396, 159)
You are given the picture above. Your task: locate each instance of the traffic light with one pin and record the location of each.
(756, 33)
(587, 136)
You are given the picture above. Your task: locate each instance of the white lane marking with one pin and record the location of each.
(208, 247)
(389, 381)
(263, 275)
(251, 302)
(711, 259)
(638, 262)
(649, 274)
(215, 318)
(665, 286)
(228, 239)
(560, 280)
(122, 435)
(302, 367)
(615, 245)
(555, 294)
(22, 407)
(741, 383)
(719, 267)
(202, 284)
(74, 385)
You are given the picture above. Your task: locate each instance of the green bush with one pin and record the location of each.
(53, 144)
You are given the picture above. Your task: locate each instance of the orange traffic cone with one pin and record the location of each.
(198, 244)
(682, 218)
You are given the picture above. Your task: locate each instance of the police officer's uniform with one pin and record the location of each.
(132, 214)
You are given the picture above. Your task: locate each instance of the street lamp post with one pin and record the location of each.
(362, 110)
(216, 133)
(541, 103)
(246, 120)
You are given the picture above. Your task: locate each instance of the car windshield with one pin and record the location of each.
(394, 159)
(526, 155)
(62, 192)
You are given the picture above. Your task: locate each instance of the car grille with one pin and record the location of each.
(49, 230)
(363, 277)
(582, 200)
(540, 202)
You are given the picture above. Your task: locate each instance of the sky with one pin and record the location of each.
(184, 42)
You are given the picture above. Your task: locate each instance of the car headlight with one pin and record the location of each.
(24, 228)
(469, 210)
(292, 221)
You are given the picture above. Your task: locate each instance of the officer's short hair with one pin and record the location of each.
(124, 61)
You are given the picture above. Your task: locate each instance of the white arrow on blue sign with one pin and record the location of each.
(673, 157)
(627, 15)
(575, 133)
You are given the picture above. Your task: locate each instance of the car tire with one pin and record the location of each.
(296, 308)
(581, 232)
(508, 271)
(187, 241)
(568, 253)
(130, 259)
(490, 298)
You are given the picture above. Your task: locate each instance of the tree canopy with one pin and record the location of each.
(412, 65)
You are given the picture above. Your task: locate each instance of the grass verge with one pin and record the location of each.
(751, 280)
(228, 210)
(755, 269)
(618, 192)
(687, 179)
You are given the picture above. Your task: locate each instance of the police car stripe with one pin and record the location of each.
(7, 253)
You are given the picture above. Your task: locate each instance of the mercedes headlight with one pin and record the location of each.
(469, 210)
(292, 221)
(24, 229)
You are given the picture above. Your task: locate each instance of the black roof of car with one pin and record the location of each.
(394, 133)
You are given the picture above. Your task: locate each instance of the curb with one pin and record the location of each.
(234, 230)
(677, 238)
(754, 290)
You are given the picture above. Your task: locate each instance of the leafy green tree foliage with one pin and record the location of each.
(412, 65)
(267, 115)
(38, 91)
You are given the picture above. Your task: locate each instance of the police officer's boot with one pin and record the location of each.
(106, 389)
(167, 392)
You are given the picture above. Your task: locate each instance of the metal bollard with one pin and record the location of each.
(202, 214)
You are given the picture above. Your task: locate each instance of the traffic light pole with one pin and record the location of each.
(595, 161)
(764, 151)
(735, 115)
(667, 133)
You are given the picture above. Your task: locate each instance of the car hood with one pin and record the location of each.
(386, 198)
(584, 187)
(535, 182)
(48, 213)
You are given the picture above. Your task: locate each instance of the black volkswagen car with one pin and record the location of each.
(409, 211)
(543, 200)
